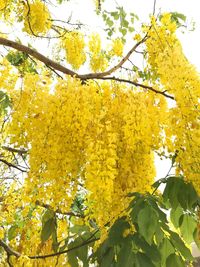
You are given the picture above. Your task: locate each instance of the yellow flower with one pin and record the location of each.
(117, 47)
(137, 37)
(37, 19)
(1, 233)
(74, 44)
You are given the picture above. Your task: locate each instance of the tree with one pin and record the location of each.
(80, 129)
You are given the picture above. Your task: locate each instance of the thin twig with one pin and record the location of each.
(55, 72)
(38, 203)
(64, 251)
(138, 85)
(33, 33)
(9, 164)
(10, 251)
(15, 150)
(116, 67)
(154, 7)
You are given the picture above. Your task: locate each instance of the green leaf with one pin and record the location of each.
(131, 29)
(115, 15)
(109, 22)
(2, 94)
(137, 204)
(178, 18)
(102, 249)
(48, 228)
(171, 191)
(123, 31)
(78, 229)
(159, 235)
(180, 245)
(174, 261)
(147, 222)
(124, 23)
(126, 256)
(72, 259)
(47, 215)
(79, 253)
(117, 230)
(188, 227)
(55, 243)
(175, 215)
(182, 196)
(196, 238)
(107, 258)
(16, 58)
(190, 196)
(159, 182)
(152, 202)
(150, 250)
(166, 249)
(82, 254)
(12, 233)
(63, 247)
(142, 260)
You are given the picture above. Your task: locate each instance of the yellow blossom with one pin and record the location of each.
(37, 18)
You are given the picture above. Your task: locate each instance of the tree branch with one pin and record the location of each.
(9, 164)
(37, 55)
(56, 66)
(101, 75)
(10, 251)
(15, 150)
(116, 67)
(137, 84)
(70, 213)
(64, 251)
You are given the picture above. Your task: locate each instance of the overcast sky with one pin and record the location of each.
(190, 39)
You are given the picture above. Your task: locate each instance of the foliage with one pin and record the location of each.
(78, 150)
(146, 237)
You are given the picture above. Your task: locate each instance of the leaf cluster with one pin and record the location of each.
(154, 239)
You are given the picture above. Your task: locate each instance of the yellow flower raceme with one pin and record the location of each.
(117, 47)
(98, 60)
(181, 79)
(85, 134)
(74, 44)
(37, 19)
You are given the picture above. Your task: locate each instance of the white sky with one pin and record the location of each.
(190, 40)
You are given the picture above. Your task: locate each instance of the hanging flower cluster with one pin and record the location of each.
(99, 137)
(181, 79)
(98, 61)
(74, 44)
(37, 19)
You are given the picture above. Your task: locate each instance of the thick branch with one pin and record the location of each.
(101, 75)
(137, 84)
(56, 66)
(10, 251)
(38, 56)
